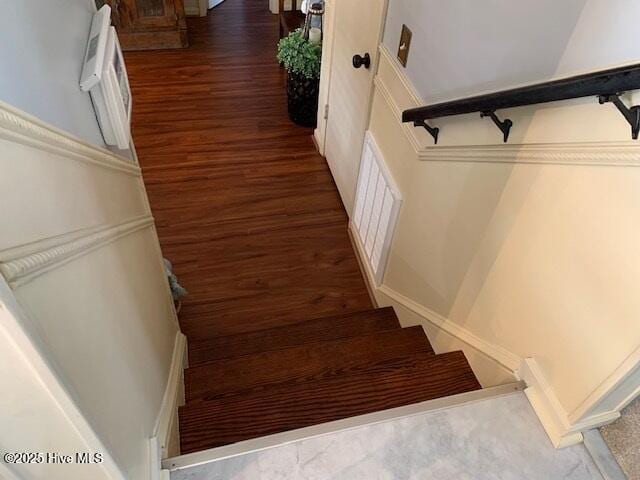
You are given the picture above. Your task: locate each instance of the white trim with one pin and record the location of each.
(623, 154)
(20, 127)
(320, 132)
(22, 264)
(13, 321)
(172, 399)
(279, 439)
(505, 358)
(547, 406)
(615, 392)
(500, 355)
(554, 418)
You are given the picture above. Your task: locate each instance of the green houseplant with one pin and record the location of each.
(301, 59)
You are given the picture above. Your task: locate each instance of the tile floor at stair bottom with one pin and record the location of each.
(497, 438)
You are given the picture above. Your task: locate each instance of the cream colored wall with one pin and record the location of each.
(80, 253)
(523, 250)
(30, 421)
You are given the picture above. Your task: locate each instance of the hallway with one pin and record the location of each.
(281, 331)
(246, 208)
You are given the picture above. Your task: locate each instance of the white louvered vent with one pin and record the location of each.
(376, 208)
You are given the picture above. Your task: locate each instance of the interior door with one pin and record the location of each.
(357, 27)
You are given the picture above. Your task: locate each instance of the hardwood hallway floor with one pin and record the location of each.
(246, 209)
(281, 331)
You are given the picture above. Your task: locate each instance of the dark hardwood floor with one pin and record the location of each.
(281, 330)
(246, 209)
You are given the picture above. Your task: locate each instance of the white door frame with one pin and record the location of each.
(320, 132)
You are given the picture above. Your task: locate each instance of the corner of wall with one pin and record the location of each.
(492, 364)
(554, 418)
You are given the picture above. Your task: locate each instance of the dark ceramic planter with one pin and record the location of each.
(302, 97)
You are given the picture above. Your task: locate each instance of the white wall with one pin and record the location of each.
(464, 47)
(79, 250)
(30, 420)
(42, 47)
(527, 249)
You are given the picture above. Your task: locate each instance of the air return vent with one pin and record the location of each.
(376, 208)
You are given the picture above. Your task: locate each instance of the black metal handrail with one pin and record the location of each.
(607, 85)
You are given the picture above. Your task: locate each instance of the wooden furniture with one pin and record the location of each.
(290, 19)
(149, 24)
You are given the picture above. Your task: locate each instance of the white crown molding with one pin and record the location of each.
(622, 154)
(23, 128)
(22, 264)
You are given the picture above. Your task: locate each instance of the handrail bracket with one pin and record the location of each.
(504, 126)
(433, 131)
(632, 115)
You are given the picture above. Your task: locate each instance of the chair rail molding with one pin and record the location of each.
(623, 153)
(20, 127)
(20, 265)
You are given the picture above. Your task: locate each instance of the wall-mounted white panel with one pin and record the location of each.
(377, 207)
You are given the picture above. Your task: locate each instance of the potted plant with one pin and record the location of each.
(301, 59)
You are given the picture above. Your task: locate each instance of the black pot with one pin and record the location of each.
(302, 99)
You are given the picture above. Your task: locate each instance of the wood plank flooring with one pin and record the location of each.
(246, 209)
(280, 327)
(409, 379)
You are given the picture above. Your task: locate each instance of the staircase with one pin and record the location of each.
(255, 384)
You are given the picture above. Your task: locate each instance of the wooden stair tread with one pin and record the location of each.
(413, 379)
(302, 363)
(310, 331)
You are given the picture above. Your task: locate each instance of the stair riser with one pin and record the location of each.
(303, 333)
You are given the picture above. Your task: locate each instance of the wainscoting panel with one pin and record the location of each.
(82, 278)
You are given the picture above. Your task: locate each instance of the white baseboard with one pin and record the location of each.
(500, 355)
(503, 358)
(552, 415)
(165, 432)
